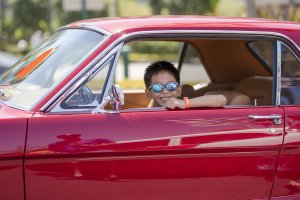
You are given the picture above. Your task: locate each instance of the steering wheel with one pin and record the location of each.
(84, 96)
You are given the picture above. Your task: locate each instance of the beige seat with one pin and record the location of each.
(258, 88)
(233, 97)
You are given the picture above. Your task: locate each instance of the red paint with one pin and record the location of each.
(168, 154)
(12, 133)
(287, 182)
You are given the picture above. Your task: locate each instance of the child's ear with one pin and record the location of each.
(148, 94)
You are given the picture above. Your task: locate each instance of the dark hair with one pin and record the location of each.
(158, 66)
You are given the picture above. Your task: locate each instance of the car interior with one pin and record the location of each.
(230, 66)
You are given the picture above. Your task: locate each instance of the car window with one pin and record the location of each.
(89, 95)
(290, 77)
(208, 66)
(137, 55)
(192, 71)
(43, 68)
(262, 49)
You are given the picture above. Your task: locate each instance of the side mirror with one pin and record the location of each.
(116, 97)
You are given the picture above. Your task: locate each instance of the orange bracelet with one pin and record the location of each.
(187, 102)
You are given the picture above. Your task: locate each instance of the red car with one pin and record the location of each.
(68, 131)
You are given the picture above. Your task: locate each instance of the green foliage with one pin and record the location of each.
(180, 7)
(154, 50)
(152, 47)
(231, 8)
(68, 17)
(29, 16)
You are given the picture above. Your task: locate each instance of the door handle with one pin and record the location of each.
(277, 119)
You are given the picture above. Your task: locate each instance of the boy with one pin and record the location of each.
(163, 86)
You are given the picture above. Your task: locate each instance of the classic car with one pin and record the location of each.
(70, 130)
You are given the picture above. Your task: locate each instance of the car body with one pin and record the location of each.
(64, 134)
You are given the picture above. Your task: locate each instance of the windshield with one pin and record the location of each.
(25, 83)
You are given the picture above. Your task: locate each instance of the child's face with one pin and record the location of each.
(163, 78)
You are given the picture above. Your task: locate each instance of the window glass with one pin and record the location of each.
(262, 49)
(290, 78)
(89, 95)
(44, 67)
(192, 70)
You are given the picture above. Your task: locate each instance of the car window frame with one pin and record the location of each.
(161, 34)
(113, 56)
(294, 53)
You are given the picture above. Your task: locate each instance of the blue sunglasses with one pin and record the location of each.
(158, 87)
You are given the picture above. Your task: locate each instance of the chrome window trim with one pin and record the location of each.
(149, 34)
(56, 108)
(106, 35)
(278, 73)
(88, 27)
(109, 83)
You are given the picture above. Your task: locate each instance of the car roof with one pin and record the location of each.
(131, 24)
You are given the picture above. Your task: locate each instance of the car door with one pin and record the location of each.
(154, 154)
(287, 180)
(13, 125)
(151, 153)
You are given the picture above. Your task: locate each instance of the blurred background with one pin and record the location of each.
(26, 23)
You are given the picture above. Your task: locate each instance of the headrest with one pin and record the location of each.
(258, 88)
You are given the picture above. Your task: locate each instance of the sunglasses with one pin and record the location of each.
(158, 87)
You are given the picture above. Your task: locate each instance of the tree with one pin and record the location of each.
(179, 7)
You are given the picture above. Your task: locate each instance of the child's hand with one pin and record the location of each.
(173, 103)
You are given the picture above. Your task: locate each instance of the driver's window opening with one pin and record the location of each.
(233, 67)
(209, 66)
(89, 95)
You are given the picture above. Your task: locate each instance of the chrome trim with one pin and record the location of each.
(279, 77)
(99, 66)
(44, 107)
(276, 119)
(99, 109)
(150, 34)
(210, 32)
(154, 109)
(278, 73)
(273, 116)
(89, 27)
